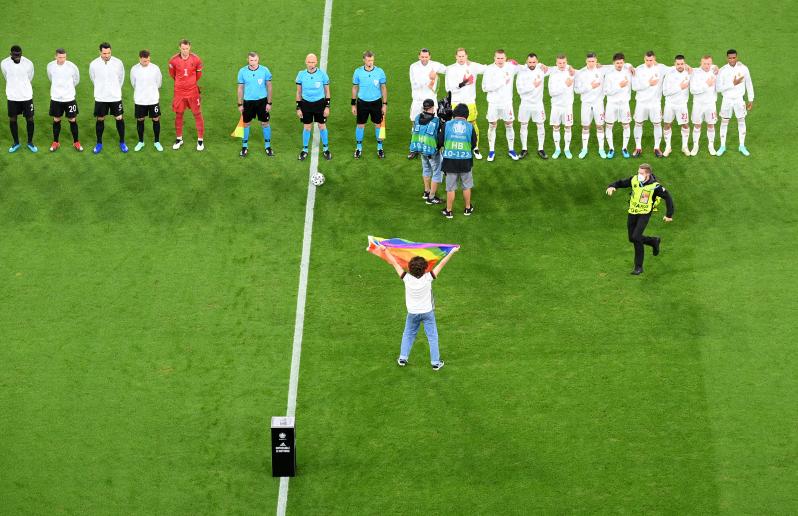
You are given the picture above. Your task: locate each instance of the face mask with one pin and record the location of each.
(641, 178)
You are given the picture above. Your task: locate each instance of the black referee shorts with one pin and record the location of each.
(366, 109)
(313, 111)
(255, 109)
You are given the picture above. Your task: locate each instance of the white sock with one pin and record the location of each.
(741, 130)
(585, 137)
(555, 135)
(509, 132)
(724, 127)
(491, 137)
(657, 135)
(685, 136)
(626, 130)
(711, 136)
(541, 136)
(600, 136)
(567, 137)
(668, 134)
(608, 135)
(638, 136)
(524, 132)
(697, 135)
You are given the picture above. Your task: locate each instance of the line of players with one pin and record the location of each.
(594, 83)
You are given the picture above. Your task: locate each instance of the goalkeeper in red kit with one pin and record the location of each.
(186, 69)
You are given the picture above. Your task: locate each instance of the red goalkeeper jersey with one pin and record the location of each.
(186, 73)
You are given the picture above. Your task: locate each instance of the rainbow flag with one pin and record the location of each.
(404, 250)
(238, 132)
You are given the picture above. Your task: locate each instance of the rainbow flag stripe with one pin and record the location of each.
(404, 250)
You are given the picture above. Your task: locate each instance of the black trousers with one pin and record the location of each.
(636, 224)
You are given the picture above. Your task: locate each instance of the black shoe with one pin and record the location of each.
(426, 195)
(380, 153)
(269, 152)
(543, 154)
(327, 155)
(358, 153)
(468, 211)
(438, 366)
(447, 214)
(302, 155)
(638, 270)
(244, 152)
(523, 154)
(657, 153)
(412, 155)
(401, 361)
(434, 200)
(655, 245)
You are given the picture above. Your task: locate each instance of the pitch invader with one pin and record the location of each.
(461, 81)
(561, 91)
(423, 85)
(705, 99)
(108, 74)
(589, 84)
(369, 100)
(618, 89)
(185, 68)
(497, 82)
(529, 83)
(146, 79)
(676, 89)
(313, 104)
(64, 76)
(647, 84)
(254, 101)
(18, 72)
(734, 81)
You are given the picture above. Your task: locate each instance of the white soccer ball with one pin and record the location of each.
(317, 179)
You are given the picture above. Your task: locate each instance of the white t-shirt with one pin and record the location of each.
(108, 78)
(612, 85)
(498, 81)
(146, 81)
(525, 84)
(672, 89)
(561, 94)
(418, 293)
(703, 93)
(726, 86)
(419, 79)
(455, 74)
(63, 78)
(18, 77)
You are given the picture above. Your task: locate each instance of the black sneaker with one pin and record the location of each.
(269, 152)
(380, 153)
(655, 245)
(447, 214)
(434, 200)
(327, 155)
(426, 195)
(438, 366)
(468, 211)
(244, 152)
(638, 270)
(302, 155)
(543, 154)
(401, 361)
(523, 154)
(412, 155)
(358, 153)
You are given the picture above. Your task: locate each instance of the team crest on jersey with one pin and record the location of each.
(317, 85)
(376, 82)
(260, 81)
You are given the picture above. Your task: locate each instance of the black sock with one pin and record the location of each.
(139, 129)
(99, 127)
(14, 131)
(73, 126)
(56, 130)
(29, 127)
(156, 130)
(120, 128)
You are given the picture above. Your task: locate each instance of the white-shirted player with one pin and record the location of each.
(676, 89)
(589, 84)
(146, 79)
(497, 82)
(108, 74)
(424, 85)
(64, 76)
(561, 91)
(618, 89)
(705, 100)
(647, 84)
(734, 81)
(529, 83)
(461, 81)
(18, 72)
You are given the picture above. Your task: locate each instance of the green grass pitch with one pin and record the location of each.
(147, 301)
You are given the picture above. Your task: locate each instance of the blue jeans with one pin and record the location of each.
(411, 330)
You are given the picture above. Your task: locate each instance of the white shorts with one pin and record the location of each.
(592, 112)
(534, 112)
(736, 105)
(562, 115)
(417, 107)
(678, 112)
(648, 111)
(618, 112)
(498, 112)
(704, 113)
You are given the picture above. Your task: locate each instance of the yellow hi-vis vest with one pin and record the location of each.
(642, 199)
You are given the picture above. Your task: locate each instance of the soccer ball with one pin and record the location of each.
(317, 179)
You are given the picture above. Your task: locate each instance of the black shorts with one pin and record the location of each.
(153, 111)
(255, 109)
(63, 109)
(313, 111)
(371, 109)
(115, 109)
(20, 107)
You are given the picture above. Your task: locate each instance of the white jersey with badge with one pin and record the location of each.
(18, 78)
(726, 85)
(617, 94)
(63, 79)
(562, 95)
(108, 77)
(529, 84)
(703, 93)
(583, 84)
(146, 82)
(497, 82)
(645, 92)
(455, 74)
(672, 87)
(419, 80)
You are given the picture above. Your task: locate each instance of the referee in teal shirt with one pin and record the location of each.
(313, 104)
(254, 101)
(369, 100)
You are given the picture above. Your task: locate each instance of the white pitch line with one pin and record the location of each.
(299, 324)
